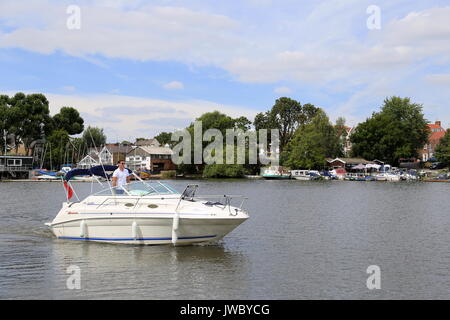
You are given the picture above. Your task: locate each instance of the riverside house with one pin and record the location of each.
(110, 154)
(155, 159)
(436, 133)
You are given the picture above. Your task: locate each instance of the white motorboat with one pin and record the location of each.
(387, 176)
(148, 213)
(274, 173)
(301, 174)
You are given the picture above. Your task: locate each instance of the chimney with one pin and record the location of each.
(438, 123)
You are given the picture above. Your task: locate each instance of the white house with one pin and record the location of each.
(150, 158)
(88, 161)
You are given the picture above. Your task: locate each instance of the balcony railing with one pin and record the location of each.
(16, 168)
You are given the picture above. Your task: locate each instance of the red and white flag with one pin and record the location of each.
(69, 190)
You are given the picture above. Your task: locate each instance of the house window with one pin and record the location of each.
(15, 162)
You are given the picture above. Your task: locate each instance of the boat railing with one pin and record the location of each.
(227, 200)
(223, 201)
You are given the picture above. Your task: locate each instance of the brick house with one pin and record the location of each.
(436, 133)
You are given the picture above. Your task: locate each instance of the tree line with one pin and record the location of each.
(25, 119)
(307, 137)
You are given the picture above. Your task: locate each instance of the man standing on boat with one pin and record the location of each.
(121, 175)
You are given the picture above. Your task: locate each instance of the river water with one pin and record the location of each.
(304, 240)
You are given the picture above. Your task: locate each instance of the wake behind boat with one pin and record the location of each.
(146, 213)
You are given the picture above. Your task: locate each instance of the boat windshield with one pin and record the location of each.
(139, 188)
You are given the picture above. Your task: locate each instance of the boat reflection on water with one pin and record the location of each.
(150, 272)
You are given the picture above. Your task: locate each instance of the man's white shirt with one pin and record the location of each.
(121, 176)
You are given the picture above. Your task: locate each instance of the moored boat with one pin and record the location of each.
(301, 175)
(275, 173)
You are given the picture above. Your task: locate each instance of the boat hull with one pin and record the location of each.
(145, 230)
(274, 177)
(302, 178)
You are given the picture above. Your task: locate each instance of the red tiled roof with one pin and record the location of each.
(436, 136)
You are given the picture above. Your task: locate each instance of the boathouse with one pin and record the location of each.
(347, 163)
(15, 166)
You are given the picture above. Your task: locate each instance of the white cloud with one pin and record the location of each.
(439, 79)
(174, 85)
(128, 117)
(320, 48)
(152, 33)
(283, 90)
(324, 44)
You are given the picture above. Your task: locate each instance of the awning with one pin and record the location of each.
(101, 171)
(359, 167)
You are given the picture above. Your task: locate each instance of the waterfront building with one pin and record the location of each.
(114, 152)
(109, 154)
(147, 142)
(89, 161)
(150, 158)
(436, 133)
(346, 163)
(15, 166)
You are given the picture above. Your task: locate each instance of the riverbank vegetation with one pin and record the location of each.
(306, 135)
(398, 130)
(443, 149)
(25, 120)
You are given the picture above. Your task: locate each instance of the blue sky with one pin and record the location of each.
(137, 68)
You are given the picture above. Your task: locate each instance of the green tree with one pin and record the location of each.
(212, 120)
(341, 131)
(29, 117)
(313, 143)
(94, 137)
(4, 123)
(442, 151)
(286, 115)
(242, 123)
(164, 138)
(69, 119)
(223, 171)
(399, 130)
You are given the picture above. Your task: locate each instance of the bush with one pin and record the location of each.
(223, 171)
(168, 174)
